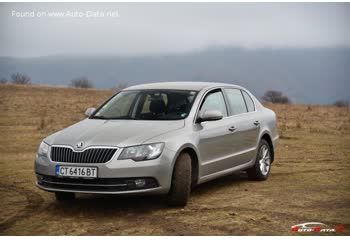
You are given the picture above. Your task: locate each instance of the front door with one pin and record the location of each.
(214, 144)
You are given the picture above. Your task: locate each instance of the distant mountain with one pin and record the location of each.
(305, 75)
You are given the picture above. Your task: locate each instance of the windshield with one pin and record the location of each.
(148, 105)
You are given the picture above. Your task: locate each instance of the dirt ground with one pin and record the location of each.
(309, 181)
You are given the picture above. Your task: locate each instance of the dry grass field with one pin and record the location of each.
(309, 179)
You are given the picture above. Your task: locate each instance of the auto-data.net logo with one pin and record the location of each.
(316, 227)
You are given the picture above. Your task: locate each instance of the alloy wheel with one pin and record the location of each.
(264, 159)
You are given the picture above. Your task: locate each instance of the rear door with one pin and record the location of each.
(242, 117)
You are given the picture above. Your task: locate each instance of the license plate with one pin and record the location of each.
(72, 171)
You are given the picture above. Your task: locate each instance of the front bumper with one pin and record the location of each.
(114, 176)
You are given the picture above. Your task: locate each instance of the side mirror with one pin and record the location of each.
(89, 111)
(210, 115)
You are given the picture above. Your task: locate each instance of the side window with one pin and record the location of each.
(248, 101)
(214, 101)
(235, 101)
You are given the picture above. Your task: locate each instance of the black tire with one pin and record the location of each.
(64, 196)
(181, 181)
(255, 172)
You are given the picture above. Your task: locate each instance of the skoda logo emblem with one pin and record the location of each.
(80, 145)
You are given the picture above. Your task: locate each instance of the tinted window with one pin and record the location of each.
(249, 102)
(214, 101)
(235, 101)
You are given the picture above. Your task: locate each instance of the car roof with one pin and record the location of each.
(193, 86)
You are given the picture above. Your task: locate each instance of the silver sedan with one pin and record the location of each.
(160, 138)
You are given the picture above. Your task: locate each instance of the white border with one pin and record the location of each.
(169, 1)
(171, 237)
(166, 237)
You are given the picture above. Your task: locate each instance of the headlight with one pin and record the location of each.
(142, 152)
(43, 149)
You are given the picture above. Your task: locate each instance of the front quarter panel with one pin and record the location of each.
(179, 140)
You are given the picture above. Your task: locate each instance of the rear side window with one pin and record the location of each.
(236, 102)
(249, 102)
(214, 101)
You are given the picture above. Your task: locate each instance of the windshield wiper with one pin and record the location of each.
(99, 117)
(122, 118)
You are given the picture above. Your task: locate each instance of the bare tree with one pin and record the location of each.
(3, 81)
(341, 103)
(82, 82)
(275, 97)
(19, 78)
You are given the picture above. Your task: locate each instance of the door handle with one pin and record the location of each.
(256, 123)
(232, 129)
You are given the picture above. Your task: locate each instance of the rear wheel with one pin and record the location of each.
(181, 181)
(261, 169)
(64, 196)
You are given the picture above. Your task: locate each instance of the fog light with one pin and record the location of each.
(140, 183)
(39, 178)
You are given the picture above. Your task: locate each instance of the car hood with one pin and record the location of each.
(120, 133)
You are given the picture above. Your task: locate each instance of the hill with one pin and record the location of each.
(317, 75)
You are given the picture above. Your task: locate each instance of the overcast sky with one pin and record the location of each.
(163, 28)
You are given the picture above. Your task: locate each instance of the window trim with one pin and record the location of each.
(245, 104)
(246, 101)
(255, 109)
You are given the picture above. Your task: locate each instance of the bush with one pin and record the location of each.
(82, 82)
(275, 97)
(18, 78)
(341, 103)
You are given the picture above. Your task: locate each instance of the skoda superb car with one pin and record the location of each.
(160, 138)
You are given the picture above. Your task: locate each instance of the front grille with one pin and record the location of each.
(90, 155)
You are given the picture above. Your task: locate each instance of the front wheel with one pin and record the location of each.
(261, 169)
(64, 196)
(181, 181)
